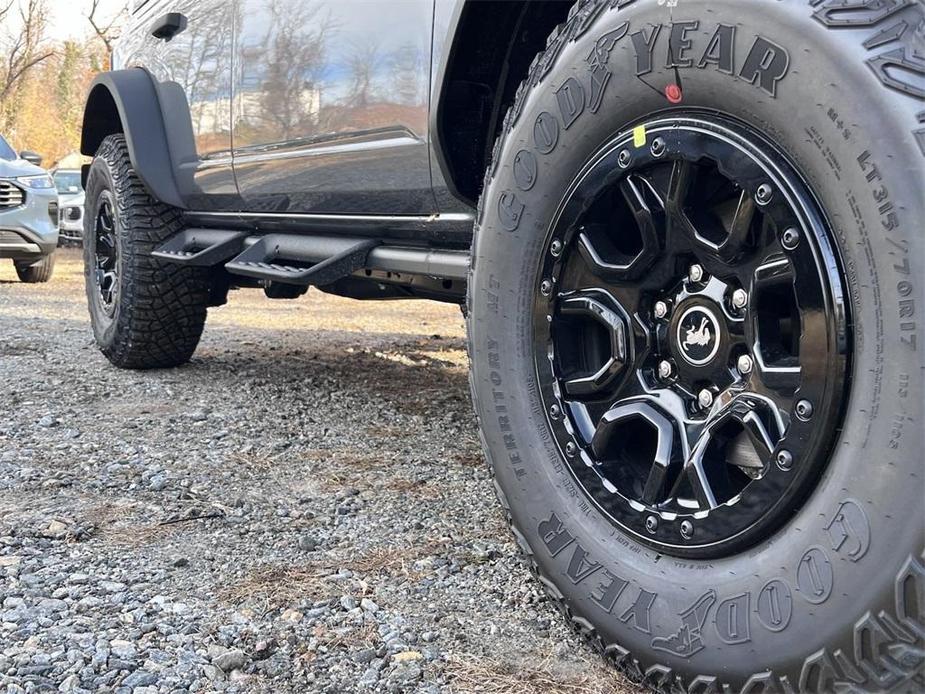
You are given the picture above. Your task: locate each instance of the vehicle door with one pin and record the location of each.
(331, 106)
(192, 70)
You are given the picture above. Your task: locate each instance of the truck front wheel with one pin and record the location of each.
(693, 329)
(145, 314)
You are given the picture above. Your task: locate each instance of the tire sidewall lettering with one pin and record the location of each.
(842, 536)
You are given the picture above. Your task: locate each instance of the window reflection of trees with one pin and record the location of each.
(305, 73)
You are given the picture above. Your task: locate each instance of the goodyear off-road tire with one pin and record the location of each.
(834, 599)
(34, 273)
(149, 314)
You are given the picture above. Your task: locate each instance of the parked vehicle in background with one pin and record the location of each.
(70, 204)
(28, 216)
(689, 237)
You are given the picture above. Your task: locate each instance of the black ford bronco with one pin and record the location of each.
(689, 238)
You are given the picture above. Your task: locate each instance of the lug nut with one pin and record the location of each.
(665, 369)
(744, 364)
(651, 524)
(705, 398)
(554, 411)
(739, 299)
(804, 410)
(624, 158)
(546, 287)
(571, 449)
(658, 147)
(687, 529)
(661, 309)
(790, 239)
(695, 273)
(763, 194)
(784, 459)
(555, 248)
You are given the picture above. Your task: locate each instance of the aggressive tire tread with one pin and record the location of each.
(655, 677)
(161, 307)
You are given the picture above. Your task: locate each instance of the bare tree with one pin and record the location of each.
(21, 51)
(363, 62)
(286, 67)
(106, 32)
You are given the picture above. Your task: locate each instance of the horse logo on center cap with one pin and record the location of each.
(698, 335)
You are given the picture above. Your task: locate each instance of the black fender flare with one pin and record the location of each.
(126, 101)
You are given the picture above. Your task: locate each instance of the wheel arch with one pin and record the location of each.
(126, 101)
(490, 46)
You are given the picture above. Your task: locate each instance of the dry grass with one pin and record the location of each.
(276, 586)
(279, 586)
(254, 460)
(366, 636)
(118, 523)
(470, 674)
(368, 473)
(470, 460)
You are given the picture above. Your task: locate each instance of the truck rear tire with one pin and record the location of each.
(694, 311)
(145, 314)
(34, 273)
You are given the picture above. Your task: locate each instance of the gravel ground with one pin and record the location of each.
(303, 508)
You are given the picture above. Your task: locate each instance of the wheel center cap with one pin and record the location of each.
(698, 335)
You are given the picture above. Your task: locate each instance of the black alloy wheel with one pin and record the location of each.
(692, 336)
(106, 254)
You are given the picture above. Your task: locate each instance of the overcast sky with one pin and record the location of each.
(68, 17)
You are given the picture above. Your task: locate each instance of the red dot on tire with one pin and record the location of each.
(673, 93)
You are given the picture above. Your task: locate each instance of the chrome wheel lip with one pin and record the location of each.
(789, 487)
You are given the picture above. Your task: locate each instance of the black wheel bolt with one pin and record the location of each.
(790, 239)
(624, 158)
(784, 460)
(571, 449)
(763, 194)
(554, 411)
(651, 524)
(804, 410)
(687, 529)
(555, 248)
(658, 147)
(546, 287)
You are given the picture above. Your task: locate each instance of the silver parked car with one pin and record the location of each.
(70, 204)
(28, 216)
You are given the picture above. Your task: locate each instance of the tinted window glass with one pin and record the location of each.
(6, 152)
(66, 180)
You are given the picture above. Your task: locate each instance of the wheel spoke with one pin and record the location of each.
(758, 435)
(654, 490)
(740, 230)
(781, 381)
(696, 476)
(679, 185)
(597, 241)
(106, 254)
(599, 308)
(775, 328)
(634, 190)
(627, 417)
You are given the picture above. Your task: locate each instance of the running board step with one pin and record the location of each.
(201, 247)
(302, 259)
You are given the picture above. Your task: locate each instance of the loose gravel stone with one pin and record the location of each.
(302, 508)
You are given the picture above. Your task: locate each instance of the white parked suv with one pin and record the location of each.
(70, 204)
